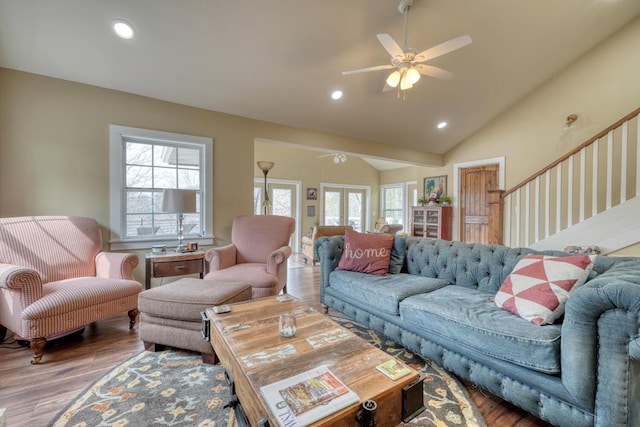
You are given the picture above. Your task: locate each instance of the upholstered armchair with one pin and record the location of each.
(388, 228)
(317, 232)
(257, 254)
(54, 279)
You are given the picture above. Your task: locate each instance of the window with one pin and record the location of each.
(393, 204)
(145, 162)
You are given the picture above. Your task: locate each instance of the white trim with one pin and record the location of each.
(116, 177)
(456, 185)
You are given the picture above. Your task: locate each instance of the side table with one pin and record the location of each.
(173, 264)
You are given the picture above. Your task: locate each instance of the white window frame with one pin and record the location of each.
(117, 158)
(402, 187)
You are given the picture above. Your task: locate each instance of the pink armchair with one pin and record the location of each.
(54, 279)
(257, 254)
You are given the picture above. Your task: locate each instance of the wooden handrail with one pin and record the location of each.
(575, 150)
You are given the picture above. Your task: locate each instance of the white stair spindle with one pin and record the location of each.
(558, 196)
(623, 162)
(583, 174)
(518, 209)
(594, 180)
(570, 193)
(609, 170)
(527, 224)
(547, 199)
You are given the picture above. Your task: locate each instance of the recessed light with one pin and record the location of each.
(123, 29)
(336, 94)
(442, 125)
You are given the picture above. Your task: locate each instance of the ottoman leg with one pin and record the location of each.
(209, 358)
(151, 346)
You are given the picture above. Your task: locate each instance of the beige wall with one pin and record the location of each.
(600, 88)
(54, 147)
(305, 166)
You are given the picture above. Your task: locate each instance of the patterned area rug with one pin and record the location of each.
(174, 388)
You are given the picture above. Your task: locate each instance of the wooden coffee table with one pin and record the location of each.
(248, 343)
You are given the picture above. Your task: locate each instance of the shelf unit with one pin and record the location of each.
(431, 221)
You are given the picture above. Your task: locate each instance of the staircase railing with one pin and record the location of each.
(595, 176)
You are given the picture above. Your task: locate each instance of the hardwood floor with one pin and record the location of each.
(33, 395)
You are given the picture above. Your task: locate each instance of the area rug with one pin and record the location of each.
(174, 388)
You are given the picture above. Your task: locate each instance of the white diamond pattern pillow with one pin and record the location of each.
(538, 287)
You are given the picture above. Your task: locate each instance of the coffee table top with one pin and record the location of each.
(248, 342)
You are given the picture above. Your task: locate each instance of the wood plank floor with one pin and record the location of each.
(33, 395)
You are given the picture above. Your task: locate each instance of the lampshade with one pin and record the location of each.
(405, 82)
(394, 79)
(265, 166)
(413, 75)
(178, 201)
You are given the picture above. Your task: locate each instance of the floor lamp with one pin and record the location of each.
(265, 167)
(180, 202)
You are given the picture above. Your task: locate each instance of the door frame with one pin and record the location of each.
(297, 209)
(367, 192)
(500, 161)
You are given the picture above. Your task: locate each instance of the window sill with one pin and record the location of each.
(147, 243)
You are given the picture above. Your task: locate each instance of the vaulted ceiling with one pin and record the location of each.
(280, 60)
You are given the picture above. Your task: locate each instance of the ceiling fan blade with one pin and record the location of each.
(365, 70)
(443, 48)
(390, 45)
(431, 71)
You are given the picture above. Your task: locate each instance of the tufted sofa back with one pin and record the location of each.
(473, 265)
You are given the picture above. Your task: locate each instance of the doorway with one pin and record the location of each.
(284, 196)
(345, 205)
(472, 182)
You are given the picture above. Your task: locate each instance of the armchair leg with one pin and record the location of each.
(37, 345)
(325, 309)
(133, 316)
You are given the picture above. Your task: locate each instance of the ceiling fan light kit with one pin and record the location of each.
(407, 61)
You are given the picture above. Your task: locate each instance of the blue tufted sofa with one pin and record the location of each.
(583, 370)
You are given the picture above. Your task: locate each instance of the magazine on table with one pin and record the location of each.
(307, 397)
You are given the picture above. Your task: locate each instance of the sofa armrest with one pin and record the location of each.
(600, 334)
(221, 258)
(116, 265)
(329, 251)
(24, 280)
(276, 258)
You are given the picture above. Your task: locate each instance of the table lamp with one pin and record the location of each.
(180, 202)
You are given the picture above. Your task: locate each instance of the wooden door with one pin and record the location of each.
(475, 183)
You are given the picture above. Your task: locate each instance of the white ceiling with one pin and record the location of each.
(279, 60)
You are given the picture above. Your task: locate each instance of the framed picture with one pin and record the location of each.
(311, 211)
(435, 185)
(312, 193)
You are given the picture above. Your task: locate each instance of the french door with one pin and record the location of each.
(345, 206)
(283, 197)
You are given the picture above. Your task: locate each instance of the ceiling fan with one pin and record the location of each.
(337, 157)
(407, 61)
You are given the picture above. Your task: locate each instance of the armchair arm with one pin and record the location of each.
(221, 258)
(23, 280)
(116, 265)
(276, 258)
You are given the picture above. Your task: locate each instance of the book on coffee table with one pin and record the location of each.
(393, 369)
(307, 397)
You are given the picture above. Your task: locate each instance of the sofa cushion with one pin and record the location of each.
(470, 318)
(538, 287)
(381, 292)
(366, 253)
(398, 249)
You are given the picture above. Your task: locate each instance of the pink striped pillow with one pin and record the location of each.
(366, 253)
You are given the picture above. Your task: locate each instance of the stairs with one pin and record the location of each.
(590, 196)
(611, 230)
